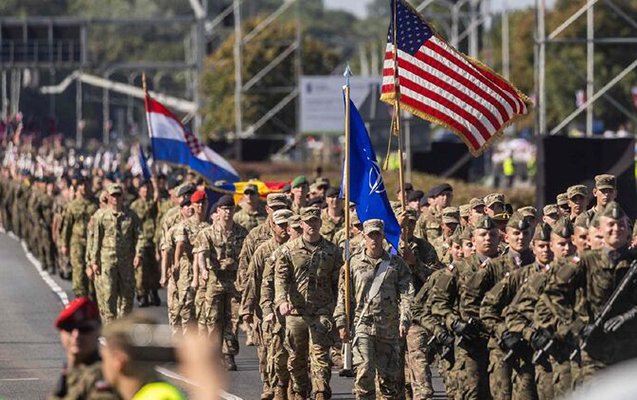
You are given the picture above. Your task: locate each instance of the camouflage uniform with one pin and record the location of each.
(74, 237)
(59, 205)
(83, 382)
(329, 227)
(376, 349)
(220, 309)
(306, 276)
(250, 219)
(116, 240)
(147, 275)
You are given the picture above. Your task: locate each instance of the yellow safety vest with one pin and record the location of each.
(159, 391)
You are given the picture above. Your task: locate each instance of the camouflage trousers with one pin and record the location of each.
(309, 336)
(446, 371)
(523, 377)
(561, 367)
(277, 359)
(544, 380)
(499, 373)
(417, 363)
(115, 290)
(185, 307)
(470, 369)
(147, 275)
(377, 360)
(82, 286)
(172, 303)
(219, 317)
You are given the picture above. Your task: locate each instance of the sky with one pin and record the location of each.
(358, 7)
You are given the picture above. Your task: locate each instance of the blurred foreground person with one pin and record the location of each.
(79, 326)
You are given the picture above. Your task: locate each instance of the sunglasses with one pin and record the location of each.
(82, 329)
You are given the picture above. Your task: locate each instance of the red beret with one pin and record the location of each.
(198, 197)
(79, 311)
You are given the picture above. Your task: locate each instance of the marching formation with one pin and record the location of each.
(506, 304)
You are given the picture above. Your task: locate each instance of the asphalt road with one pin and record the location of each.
(31, 357)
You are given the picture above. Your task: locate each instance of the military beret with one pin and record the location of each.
(613, 210)
(605, 181)
(408, 187)
(77, 313)
(373, 225)
(286, 188)
(114, 189)
(423, 202)
(308, 213)
(563, 228)
(485, 222)
(185, 202)
(226, 200)
(465, 210)
(576, 190)
(281, 216)
(561, 199)
(517, 221)
(322, 182)
(476, 202)
(299, 181)
(528, 211)
(415, 195)
(277, 200)
(251, 188)
(186, 189)
(493, 198)
(315, 202)
(439, 189)
(332, 192)
(294, 221)
(198, 197)
(550, 209)
(542, 232)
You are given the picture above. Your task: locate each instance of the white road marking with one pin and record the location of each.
(18, 379)
(174, 375)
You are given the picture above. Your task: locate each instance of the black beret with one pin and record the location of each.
(225, 201)
(332, 192)
(415, 195)
(439, 189)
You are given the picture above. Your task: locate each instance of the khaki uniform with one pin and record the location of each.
(306, 276)
(376, 350)
(250, 219)
(83, 382)
(147, 275)
(74, 237)
(254, 239)
(329, 227)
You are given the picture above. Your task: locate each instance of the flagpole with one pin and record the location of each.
(396, 119)
(346, 182)
(150, 126)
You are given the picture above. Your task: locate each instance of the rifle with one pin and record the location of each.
(541, 352)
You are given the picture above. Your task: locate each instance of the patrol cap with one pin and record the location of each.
(251, 188)
(80, 312)
(186, 189)
(528, 211)
(299, 181)
(332, 192)
(225, 201)
(198, 197)
(465, 209)
(563, 228)
(415, 195)
(185, 202)
(308, 213)
(450, 215)
(439, 189)
(485, 222)
(294, 221)
(314, 187)
(476, 202)
(373, 225)
(605, 181)
(551, 210)
(561, 199)
(575, 190)
(322, 182)
(493, 198)
(613, 210)
(517, 221)
(277, 200)
(542, 232)
(281, 216)
(408, 187)
(114, 189)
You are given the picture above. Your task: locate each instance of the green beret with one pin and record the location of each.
(299, 181)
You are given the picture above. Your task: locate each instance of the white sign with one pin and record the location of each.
(322, 106)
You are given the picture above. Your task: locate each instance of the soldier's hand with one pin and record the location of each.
(285, 308)
(162, 281)
(343, 334)
(540, 338)
(96, 269)
(408, 255)
(65, 251)
(269, 318)
(205, 274)
(137, 261)
(613, 324)
(194, 284)
(403, 329)
(89, 273)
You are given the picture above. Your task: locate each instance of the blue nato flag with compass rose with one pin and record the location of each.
(367, 189)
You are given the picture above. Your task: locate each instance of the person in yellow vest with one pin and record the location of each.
(508, 170)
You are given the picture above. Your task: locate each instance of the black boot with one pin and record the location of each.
(155, 299)
(142, 301)
(229, 361)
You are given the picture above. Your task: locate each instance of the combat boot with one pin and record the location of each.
(155, 299)
(280, 393)
(229, 361)
(142, 301)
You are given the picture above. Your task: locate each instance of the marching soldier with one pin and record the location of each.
(332, 216)
(605, 191)
(252, 212)
(577, 196)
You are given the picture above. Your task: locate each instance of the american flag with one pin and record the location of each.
(440, 84)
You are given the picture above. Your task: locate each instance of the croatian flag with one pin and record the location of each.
(172, 142)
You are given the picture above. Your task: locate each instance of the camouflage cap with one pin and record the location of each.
(353, 217)
(493, 198)
(450, 215)
(299, 181)
(373, 225)
(563, 228)
(561, 199)
(613, 210)
(542, 232)
(281, 216)
(322, 182)
(476, 202)
(528, 211)
(550, 209)
(517, 221)
(294, 221)
(605, 181)
(114, 189)
(576, 190)
(465, 209)
(308, 213)
(186, 189)
(485, 222)
(277, 200)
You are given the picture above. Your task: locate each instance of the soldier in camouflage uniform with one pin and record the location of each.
(429, 226)
(217, 248)
(299, 188)
(115, 251)
(45, 212)
(64, 196)
(306, 282)
(252, 212)
(577, 196)
(605, 191)
(332, 216)
(147, 276)
(381, 297)
(550, 214)
(74, 237)
(251, 311)
(450, 220)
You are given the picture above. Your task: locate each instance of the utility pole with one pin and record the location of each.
(590, 68)
(238, 79)
(506, 50)
(540, 46)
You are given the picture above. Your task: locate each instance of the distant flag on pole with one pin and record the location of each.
(172, 142)
(366, 186)
(440, 84)
(143, 165)
(634, 93)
